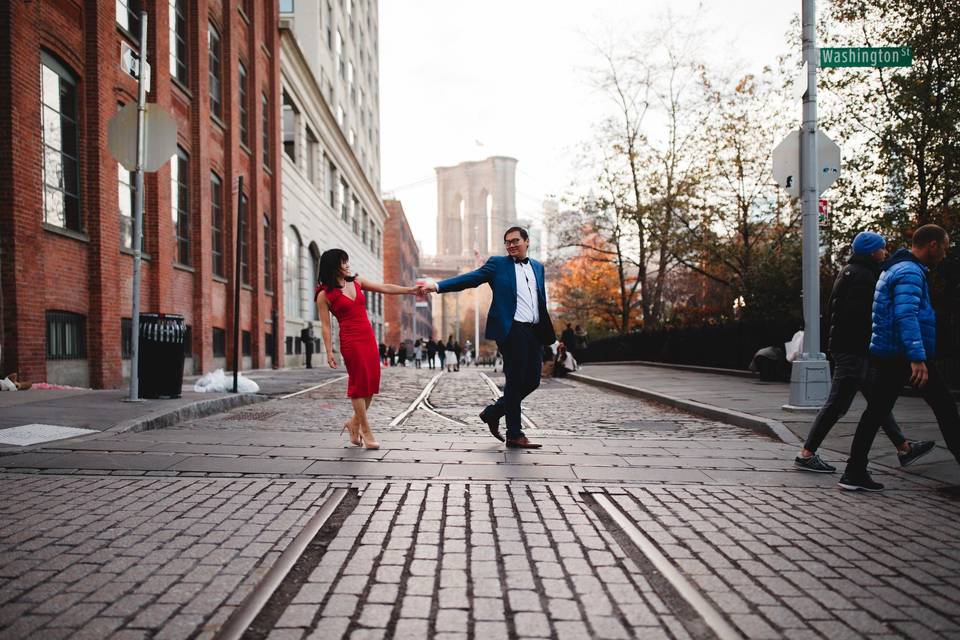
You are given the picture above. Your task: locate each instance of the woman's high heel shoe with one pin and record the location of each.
(355, 438)
(369, 442)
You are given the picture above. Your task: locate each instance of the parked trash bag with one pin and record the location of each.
(220, 382)
(770, 363)
(795, 347)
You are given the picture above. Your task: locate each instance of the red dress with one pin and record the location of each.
(357, 342)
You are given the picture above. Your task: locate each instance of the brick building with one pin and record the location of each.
(401, 265)
(65, 203)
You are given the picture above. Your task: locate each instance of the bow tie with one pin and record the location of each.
(521, 260)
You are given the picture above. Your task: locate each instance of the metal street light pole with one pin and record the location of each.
(810, 377)
(138, 215)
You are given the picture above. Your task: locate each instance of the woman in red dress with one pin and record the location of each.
(341, 294)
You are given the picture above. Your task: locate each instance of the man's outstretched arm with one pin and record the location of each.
(467, 280)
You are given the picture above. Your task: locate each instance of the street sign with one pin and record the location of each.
(831, 57)
(786, 163)
(159, 137)
(131, 63)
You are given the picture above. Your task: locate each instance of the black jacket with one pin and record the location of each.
(851, 304)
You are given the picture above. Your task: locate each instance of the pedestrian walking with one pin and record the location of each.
(902, 341)
(383, 354)
(417, 353)
(849, 311)
(307, 337)
(518, 321)
(392, 356)
(341, 293)
(402, 354)
(431, 353)
(450, 356)
(458, 352)
(568, 337)
(441, 353)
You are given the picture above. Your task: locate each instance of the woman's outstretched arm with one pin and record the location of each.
(389, 289)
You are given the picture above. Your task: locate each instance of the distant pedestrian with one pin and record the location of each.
(392, 356)
(450, 356)
(402, 354)
(417, 353)
(564, 362)
(458, 351)
(383, 354)
(568, 337)
(441, 353)
(849, 310)
(431, 353)
(902, 341)
(307, 337)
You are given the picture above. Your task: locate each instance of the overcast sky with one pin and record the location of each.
(466, 79)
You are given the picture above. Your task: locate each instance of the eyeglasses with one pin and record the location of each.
(513, 243)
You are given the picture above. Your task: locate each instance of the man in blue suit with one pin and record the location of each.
(518, 321)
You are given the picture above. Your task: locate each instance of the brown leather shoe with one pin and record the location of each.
(522, 443)
(493, 425)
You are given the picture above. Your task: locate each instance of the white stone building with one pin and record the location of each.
(331, 156)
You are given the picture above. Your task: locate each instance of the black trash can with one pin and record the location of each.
(160, 367)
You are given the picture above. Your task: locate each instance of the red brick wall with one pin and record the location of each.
(90, 274)
(401, 262)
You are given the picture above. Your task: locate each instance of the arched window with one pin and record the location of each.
(292, 248)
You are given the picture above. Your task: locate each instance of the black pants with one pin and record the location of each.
(522, 362)
(851, 373)
(891, 375)
(308, 354)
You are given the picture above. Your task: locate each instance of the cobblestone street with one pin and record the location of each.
(634, 521)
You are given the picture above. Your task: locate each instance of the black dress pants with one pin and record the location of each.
(891, 375)
(522, 362)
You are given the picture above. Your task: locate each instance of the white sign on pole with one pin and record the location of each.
(786, 163)
(159, 139)
(800, 84)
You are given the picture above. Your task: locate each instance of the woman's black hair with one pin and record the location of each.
(331, 262)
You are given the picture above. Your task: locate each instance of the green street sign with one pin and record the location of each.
(866, 57)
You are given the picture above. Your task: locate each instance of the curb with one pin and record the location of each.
(199, 409)
(766, 426)
(740, 373)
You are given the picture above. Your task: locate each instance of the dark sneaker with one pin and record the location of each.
(859, 483)
(814, 463)
(918, 449)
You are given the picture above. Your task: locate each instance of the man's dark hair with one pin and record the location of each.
(523, 233)
(929, 233)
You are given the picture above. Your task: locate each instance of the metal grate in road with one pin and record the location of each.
(27, 434)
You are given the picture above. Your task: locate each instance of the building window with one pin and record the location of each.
(216, 94)
(126, 336)
(354, 216)
(286, 6)
(244, 112)
(268, 344)
(373, 232)
(290, 117)
(288, 345)
(125, 195)
(363, 227)
(244, 248)
(219, 343)
(379, 243)
(128, 17)
(245, 342)
(351, 87)
(339, 54)
(340, 115)
(344, 200)
(265, 105)
(66, 336)
(178, 41)
(313, 150)
(61, 166)
(266, 252)
(216, 218)
(331, 181)
(292, 248)
(180, 204)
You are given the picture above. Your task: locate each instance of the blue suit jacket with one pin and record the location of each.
(500, 273)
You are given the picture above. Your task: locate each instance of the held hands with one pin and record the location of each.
(425, 289)
(918, 374)
(331, 361)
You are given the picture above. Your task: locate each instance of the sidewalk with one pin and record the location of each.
(738, 395)
(105, 410)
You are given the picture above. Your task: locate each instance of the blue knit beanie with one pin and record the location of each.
(867, 242)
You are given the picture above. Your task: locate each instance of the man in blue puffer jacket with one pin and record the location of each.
(904, 338)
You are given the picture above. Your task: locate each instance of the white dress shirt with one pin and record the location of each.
(527, 307)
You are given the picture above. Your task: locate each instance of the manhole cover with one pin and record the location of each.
(27, 434)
